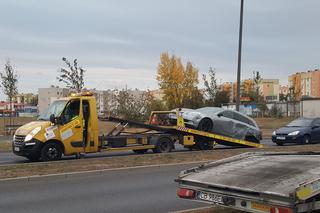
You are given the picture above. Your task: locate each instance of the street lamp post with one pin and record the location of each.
(239, 58)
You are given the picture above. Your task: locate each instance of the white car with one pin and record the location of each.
(222, 121)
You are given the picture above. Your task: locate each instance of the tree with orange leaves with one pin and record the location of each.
(179, 84)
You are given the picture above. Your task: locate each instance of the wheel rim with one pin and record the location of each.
(164, 146)
(52, 153)
(206, 125)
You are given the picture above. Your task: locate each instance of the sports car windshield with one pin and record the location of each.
(300, 123)
(55, 108)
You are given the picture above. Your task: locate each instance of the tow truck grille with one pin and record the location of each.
(19, 140)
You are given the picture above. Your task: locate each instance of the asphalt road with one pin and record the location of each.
(132, 190)
(10, 158)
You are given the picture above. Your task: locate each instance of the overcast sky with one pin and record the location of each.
(119, 42)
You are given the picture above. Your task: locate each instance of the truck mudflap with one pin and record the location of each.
(256, 182)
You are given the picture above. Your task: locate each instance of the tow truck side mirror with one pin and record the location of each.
(53, 119)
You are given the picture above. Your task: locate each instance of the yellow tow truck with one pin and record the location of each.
(70, 127)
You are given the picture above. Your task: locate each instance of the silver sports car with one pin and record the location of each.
(222, 121)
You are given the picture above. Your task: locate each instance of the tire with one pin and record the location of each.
(164, 145)
(205, 125)
(33, 158)
(206, 146)
(140, 151)
(306, 139)
(51, 152)
(203, 144)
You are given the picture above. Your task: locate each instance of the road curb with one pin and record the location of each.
(87, 173)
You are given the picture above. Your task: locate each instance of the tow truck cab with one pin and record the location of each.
(69, 126)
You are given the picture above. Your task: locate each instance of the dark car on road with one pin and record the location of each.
(300, 131)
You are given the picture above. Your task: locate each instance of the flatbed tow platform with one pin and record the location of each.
(187, 137)
(257, 182)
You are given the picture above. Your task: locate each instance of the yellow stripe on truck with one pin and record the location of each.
(219, 137)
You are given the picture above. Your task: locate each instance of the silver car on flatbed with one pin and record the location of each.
(222, 121)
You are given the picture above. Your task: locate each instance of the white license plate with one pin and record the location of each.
(17, 149)
(210, 197)
(281, 138)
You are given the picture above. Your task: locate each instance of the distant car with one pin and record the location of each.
(300, 131)
(222, 121)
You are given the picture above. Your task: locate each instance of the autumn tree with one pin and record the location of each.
(34, 100)
(153, 104)
(211, 86)
(9, 82)
(257, 81)
(222, 97)
(294, 96)
(177, 83)
(72, 76)
(193, 98)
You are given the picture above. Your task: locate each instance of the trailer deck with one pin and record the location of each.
(265, 179)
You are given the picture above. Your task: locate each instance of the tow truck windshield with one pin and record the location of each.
(55, 108)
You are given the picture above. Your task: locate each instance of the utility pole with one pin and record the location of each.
(239, 58)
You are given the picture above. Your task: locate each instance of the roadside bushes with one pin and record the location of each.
(132, 104)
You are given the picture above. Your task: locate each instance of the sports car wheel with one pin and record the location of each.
(205, 125)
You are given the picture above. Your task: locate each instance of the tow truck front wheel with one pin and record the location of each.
(51, 152)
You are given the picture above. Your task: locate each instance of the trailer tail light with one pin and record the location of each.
(280, 210)
(185, 193)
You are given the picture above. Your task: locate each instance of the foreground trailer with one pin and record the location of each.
(256, 182)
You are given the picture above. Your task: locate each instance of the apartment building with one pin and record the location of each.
(269, 89)
(47, 95)
(25, 98)
(305, 83)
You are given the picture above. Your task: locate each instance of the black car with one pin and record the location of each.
(300, 131)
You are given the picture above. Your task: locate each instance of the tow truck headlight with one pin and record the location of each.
(294, 133)
(32, 133)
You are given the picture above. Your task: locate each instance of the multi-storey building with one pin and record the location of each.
(305, 83)
(269, 89)
(47, 95)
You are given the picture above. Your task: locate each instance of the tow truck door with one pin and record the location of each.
(71, 132)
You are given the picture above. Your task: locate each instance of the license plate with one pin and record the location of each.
(260, 207)
(281, 138)
(210, 197)
(17, 149)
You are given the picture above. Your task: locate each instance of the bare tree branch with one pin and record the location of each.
(73, 77)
